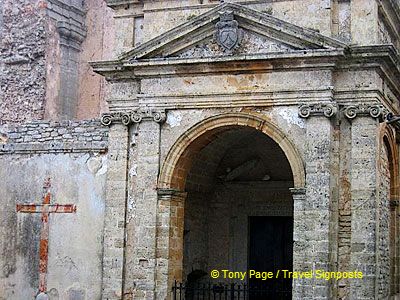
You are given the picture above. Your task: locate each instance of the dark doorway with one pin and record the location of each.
(270, 250)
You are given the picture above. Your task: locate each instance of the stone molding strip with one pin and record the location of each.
(136, 116)
(55, 147)
(168, 194)
(70, 34)
(298, 191)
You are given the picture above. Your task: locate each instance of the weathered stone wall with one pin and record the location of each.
(22, 60)
(72, 154)
(46, 136)
(45, 71)
(383, 241)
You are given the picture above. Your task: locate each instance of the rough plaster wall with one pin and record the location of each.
(341, 20)
(384, 219)
(98, 45)
(75, 241)
(28, 154)
(22, 60)
(317, 12)
(364, 22)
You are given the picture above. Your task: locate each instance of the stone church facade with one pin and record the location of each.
(170, 133)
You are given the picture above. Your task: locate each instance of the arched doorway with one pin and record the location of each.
(236, 171)
(239, 213)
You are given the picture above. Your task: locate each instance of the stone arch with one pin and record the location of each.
(172, 182)
(178, 161)
(388, 144)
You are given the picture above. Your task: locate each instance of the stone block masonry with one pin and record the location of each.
(53, 137)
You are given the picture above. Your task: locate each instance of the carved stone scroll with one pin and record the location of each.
(319, 109)
(136, 116)
(364, 109)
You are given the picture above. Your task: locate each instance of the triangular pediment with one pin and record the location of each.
(256, 33)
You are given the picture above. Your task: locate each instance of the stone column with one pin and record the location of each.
(364, 200)
(299, 196)
(314, 233)
(169, 250)
(71, 37)
(114, 223)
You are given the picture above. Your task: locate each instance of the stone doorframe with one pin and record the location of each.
(171, 185)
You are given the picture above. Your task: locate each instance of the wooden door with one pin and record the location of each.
(270, 250)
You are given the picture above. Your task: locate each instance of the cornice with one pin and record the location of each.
(116, 3)
(69, 7)
(146, 68)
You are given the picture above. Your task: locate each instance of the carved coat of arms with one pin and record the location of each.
(228, 34)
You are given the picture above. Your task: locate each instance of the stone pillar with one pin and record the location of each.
(71, 37)
(394, 235)
(299, 196)
(314, 228)
(169, 250)
(363, 169)
(114, 223)
(140, 272)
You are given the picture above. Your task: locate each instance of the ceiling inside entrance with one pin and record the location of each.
(254, 156)
(239, 155)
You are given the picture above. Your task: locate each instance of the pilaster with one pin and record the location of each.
(299, 197)
(136, 279)
(140, 253)
(315, 236)
(114, 224)
(363, 191)
(169, 250)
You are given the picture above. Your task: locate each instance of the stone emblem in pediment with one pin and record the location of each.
(228, 34)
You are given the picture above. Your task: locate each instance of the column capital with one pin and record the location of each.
(298, 194)
(298, 191)
(171, 194)
(136, 116)
(364, 109)
(328, 109)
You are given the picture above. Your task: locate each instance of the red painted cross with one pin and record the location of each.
(45, 209)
